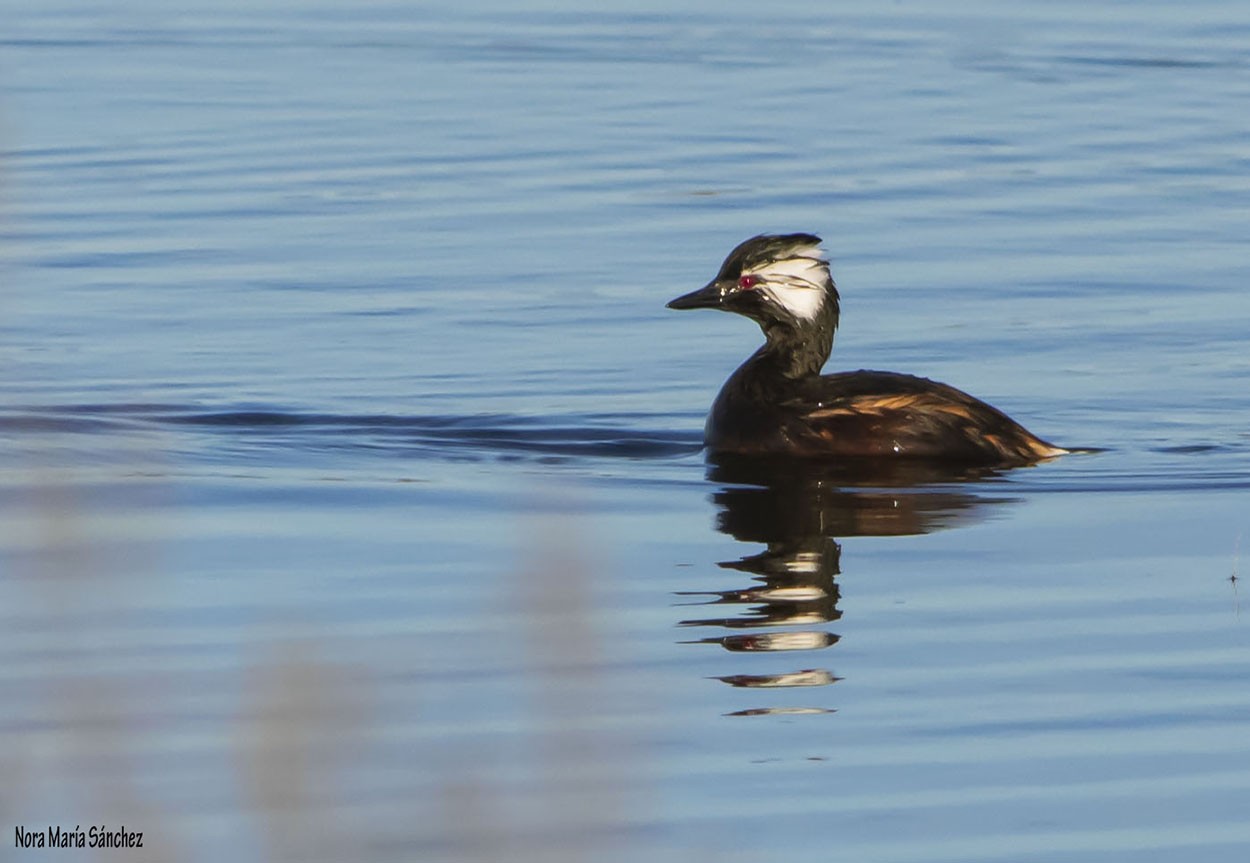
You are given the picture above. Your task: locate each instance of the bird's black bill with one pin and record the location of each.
(707, 297)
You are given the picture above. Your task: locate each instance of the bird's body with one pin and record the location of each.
(778, 403)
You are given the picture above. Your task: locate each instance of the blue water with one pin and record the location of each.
(351, 496)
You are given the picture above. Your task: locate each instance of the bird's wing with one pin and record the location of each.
(887, 414)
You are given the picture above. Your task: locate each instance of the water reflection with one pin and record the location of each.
(796, 510)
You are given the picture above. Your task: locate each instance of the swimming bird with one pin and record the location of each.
(778, 402)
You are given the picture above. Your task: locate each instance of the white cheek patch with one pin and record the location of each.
(797, 284)
(802, 302)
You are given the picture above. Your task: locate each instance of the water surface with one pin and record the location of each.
(353, 502)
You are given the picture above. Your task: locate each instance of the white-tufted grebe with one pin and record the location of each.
(778, 403)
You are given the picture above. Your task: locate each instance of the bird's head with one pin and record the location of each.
(778, 281)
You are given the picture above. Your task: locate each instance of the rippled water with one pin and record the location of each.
(352, 497)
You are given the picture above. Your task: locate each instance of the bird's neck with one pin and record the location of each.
(793, 352)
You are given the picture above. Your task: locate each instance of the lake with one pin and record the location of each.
(353, 501)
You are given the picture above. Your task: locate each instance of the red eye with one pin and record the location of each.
(748, 282)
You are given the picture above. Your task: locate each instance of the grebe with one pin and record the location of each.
(778, 403)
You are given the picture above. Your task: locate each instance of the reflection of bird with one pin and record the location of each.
(777, 402)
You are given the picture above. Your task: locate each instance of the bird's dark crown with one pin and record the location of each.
(765, 249)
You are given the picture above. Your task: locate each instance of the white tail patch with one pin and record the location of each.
(798, 283)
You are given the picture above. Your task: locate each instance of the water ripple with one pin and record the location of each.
(574, 436)
(492, 435)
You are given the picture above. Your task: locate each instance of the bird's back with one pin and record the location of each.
(866, 414)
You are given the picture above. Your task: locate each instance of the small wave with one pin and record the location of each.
(481, 436)
(568, 437)
(1143, 62)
